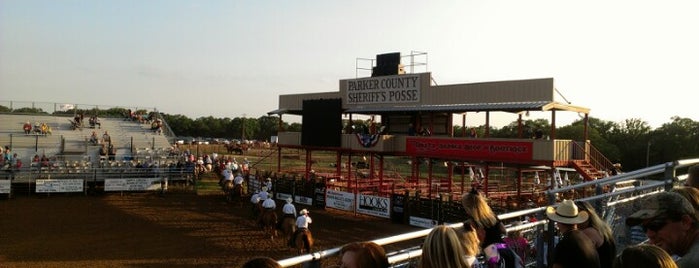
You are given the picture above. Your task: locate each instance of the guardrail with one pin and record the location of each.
(613, 197)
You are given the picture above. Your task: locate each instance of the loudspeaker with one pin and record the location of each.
(387, 64)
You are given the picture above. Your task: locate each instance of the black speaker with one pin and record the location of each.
(387, 64)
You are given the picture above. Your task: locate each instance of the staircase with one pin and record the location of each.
(590, 162)
(587, 170)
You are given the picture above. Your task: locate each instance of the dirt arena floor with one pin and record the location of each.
(150, 230)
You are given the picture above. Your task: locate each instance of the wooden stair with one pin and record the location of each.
(587, 170)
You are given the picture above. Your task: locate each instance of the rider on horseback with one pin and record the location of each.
(269, 204)
(289, 210)
(238, 180)
(302, 223)
(227, 176)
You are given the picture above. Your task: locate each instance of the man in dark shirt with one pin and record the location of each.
(574, 249)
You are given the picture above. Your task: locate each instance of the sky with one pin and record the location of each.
(622, 59)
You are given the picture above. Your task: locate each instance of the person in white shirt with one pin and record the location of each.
(289, 210)
(268, 184)
(269, 204)
(227, 176)
(238, 180)
(303, 220)
(263, 194)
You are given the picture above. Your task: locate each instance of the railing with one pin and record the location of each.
(623, 198)
(590, 154)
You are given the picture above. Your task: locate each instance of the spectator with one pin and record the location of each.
(482, 215)
(106, 138)
(111, 151)
(644, 256)
(443, 248)
(27, 128)
(94, 121)
(693, 177)
(363, 255)
(45, 129)
(470, 242)
(103, 150)
(93, 138)
(670, 222)
(574, 249)
(261, 262)
(517, 242)
(7, 156)
(600, 233)
(691, 193)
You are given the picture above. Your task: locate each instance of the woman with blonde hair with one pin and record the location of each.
(644, 256)
(469, 239)
(478, 210)
(442, 249)
(599, 233)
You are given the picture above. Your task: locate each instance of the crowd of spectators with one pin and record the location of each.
(39, 128)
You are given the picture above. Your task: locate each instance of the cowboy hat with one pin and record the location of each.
(567, 212)
(303, 211)
(289, 200)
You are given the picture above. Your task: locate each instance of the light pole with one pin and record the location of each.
(648, 154)
(242, 128)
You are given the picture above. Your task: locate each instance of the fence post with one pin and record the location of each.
(669, 177)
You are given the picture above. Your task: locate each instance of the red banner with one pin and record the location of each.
(470, 148)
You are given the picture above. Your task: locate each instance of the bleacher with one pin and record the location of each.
(129, 138)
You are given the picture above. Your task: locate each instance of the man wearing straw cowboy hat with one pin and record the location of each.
(574, 249)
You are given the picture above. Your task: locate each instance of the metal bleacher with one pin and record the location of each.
(129, 138)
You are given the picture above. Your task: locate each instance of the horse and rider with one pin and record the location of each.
(288, 222)
(268, 218)
(302, 239)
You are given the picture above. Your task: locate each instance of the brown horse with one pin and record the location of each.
(268, 220)
(227, 188)
(288, 227)
(303, 241)
(236, 195)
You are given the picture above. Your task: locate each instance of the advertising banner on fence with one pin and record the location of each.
(305, 200)
(506, 150)
(339, 200)
(374, 205)
(59, 186)
(131, 184)
(5, 186)
(422, 222)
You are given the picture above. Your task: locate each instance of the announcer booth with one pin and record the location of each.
(412, 118)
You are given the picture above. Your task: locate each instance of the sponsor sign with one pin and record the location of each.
(505, 150)
(282, 196)
(5, 186)
(374, 205)
(339, 200)
(422, 222)
(59, 186)
(384, 89)
(131, 184)
(303, 200)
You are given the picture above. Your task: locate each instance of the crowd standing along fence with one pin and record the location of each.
(614, 199)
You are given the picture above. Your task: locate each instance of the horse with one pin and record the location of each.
(268, 220)
(227, 188)
(236, 194)
(288, 227)
(303, 241)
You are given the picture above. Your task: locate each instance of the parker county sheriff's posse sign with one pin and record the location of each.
(385, 89)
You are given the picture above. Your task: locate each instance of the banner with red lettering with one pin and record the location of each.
(470, 148)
